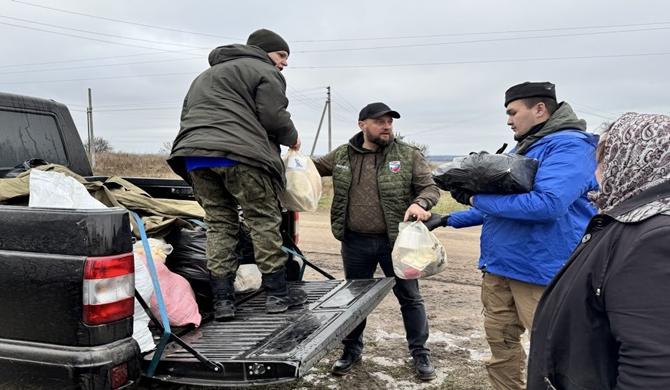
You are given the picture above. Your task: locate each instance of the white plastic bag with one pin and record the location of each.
(248, 278)
(303, 183)
(56, 190)
(143, 285)
(159, 249)
(417, 253)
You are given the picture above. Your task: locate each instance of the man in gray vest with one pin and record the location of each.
(380, 181)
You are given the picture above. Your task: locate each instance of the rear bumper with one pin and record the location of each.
(32, 365)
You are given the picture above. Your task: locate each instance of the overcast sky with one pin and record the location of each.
(444, 65)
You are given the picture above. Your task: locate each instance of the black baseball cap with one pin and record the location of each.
(530, 90)
(376, 110)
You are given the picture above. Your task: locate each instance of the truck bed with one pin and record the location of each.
(260, 348)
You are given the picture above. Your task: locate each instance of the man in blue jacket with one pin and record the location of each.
(526, 238)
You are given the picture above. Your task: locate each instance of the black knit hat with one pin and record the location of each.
(530, 90)
(268, 40)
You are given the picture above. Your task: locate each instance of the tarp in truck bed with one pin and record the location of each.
(159, 214)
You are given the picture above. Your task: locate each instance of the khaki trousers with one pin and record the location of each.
(509, 307)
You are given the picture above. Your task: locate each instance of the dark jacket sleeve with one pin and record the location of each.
(637, 300)
(325, 164)
(423, 185)
(271, 104)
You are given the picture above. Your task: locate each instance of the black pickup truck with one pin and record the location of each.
(60, 330)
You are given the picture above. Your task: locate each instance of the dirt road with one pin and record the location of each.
(454, 312)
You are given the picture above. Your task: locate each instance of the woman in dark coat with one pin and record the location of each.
(604, 321)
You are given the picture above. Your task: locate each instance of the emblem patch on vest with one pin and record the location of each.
(394, 166)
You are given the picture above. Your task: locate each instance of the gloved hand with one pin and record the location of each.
(461, 196)
(436, 220)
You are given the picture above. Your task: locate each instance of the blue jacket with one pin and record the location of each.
(528, 237)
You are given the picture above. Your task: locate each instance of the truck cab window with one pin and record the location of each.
(26, 135)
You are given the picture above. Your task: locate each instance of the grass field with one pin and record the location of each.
(132, 165)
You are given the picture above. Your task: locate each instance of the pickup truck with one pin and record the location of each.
(58, 328)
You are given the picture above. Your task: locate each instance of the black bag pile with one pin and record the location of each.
(488, 173)
(189, 259)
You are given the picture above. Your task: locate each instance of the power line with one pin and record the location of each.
(160, 52)
(102, 34)
(83, 37)
(100, 65)
(481, 33)
(122, 21)
(343, 49)
(592, 111)
(134, 104)
(305, 103)
(414, 45)
(99, 78)
(341, 39)
(174, 107)
(301, 95)
(372, 66)
(304, 90)
(346, 101)
(610, 113)
(469, 62)
(342, 106)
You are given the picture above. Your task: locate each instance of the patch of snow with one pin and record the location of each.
(385, 362)
(479, 355)
(444, 337)
(392, 383)
(381, 335)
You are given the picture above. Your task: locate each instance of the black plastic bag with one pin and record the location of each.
(488, 173)
(24, 166)
(189, 259)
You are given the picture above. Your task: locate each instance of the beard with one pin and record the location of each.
(382, 142)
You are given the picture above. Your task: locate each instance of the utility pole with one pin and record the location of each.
(330, 128)
(326, 107)
(91, 138)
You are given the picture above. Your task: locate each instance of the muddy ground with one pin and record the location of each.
(454, 312)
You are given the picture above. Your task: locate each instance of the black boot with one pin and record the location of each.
(423, 367)
(278, 297)
(346, 362)
(223, 293)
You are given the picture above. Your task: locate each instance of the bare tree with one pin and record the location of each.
(100, 145)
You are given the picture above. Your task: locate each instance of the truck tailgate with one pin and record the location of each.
(259, 348)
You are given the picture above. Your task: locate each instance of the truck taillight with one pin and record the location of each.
(296, 230)
(109, 288)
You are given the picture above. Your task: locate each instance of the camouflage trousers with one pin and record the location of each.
(219, 191)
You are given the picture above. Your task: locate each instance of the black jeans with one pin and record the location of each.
(361, 254)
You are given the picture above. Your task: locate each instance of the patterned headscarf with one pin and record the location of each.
(634, 156)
